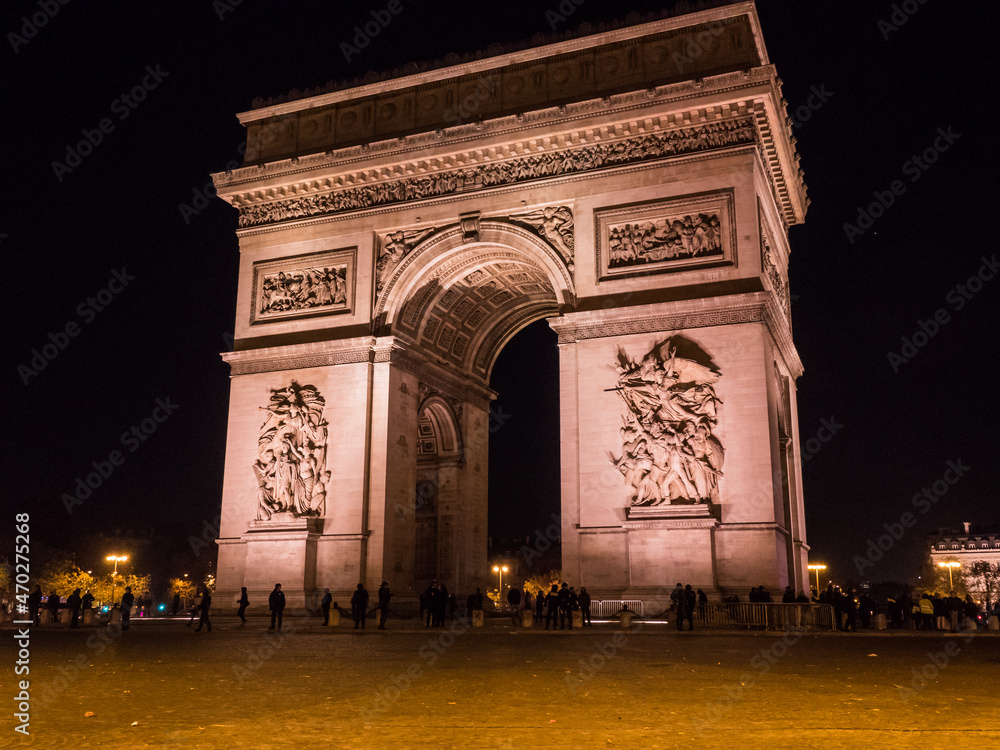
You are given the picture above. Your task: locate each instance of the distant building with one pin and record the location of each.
(965, 545)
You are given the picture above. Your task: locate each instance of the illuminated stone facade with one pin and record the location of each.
(634, 188)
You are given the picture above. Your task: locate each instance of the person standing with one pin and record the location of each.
(565, 602)
(206, 604)
(584, 600)
(276, 603)
(34, 605)
(244, 603)
(552, 607)
(53, 606)
(359, 606)
(539, 606)
(324, 604)
(74, 602)
(87, 602)
(128, 599)
(384, 595)
(677, 597)
(690, 599)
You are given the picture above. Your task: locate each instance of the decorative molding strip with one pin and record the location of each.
(679, 141)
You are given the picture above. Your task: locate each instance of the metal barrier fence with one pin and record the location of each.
(609, 607)
(765, 616)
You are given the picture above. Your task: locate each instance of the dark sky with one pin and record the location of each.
(65, 236)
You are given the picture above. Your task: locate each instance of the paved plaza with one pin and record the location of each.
(160, 685)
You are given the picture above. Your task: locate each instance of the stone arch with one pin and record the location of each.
(438, 432)
(460, 299)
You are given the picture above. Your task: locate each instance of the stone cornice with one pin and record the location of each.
(309, 177)
(300, 356)
(758, 307)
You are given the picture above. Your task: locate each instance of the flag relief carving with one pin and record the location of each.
(670, 454)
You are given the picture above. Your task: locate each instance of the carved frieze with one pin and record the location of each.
(737, 131)
(393, 247)
(554, 224)
(670, 454)
(290, 469)
(774, 275)
(302, 286)
(666, 236)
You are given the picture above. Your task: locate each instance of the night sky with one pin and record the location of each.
(137, 292)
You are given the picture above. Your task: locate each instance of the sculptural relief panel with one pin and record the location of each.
(303, 286)
(666, 236)
(290, 469)
(670, 454)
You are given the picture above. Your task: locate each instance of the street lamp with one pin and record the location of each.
(501, 569)
(950, 566)
(117, 559)
(817, 568)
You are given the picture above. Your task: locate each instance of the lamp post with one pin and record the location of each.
(817, 568)
(501, 569)
(950, 566)
(114, 574)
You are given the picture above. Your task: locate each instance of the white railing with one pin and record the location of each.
(609, 607)
(764, 616)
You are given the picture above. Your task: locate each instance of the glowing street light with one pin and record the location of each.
(817, 568)
(950, 566)
(117, 559)
(501, 569)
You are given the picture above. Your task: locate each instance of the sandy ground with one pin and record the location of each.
(161, 685)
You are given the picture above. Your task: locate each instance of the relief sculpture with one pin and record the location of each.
(670, 454)
(292, 446)
(644, 242)
(395, 247)
(553, 224)
(305, 289)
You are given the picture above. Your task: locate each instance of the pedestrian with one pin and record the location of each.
(324, 604)
(428, 603)
(276, 603)
(540, 605)
(527, 604)
(477, 601)
(384, 595)
(677, 598)
(690, 599)
(128, 599)
(34, 605)
(359, 606)
(73, 602)
(87, 602)
(514, 602)
(53, 606)
(244, 603)
(440, 605)
(552, 607)
(584, 600)
(175, 606)
(195, 607)
(206, 604)
(564, 606)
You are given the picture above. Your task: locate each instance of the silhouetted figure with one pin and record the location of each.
(34, 605)
(552, 607)
(678, 599)
(429, 601)
(244, 603)
(440, 605)
(52, 604)
(384, 595)
(324, 604)
(128, 600)
(564, 607)
(73, 601)
(175, 605)
(87, 602)
(206, 604)
(690, 599)
(540, 606)
(359, 606)
(584, 600)
(276, 603)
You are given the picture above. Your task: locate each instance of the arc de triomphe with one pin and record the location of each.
(635, 189)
